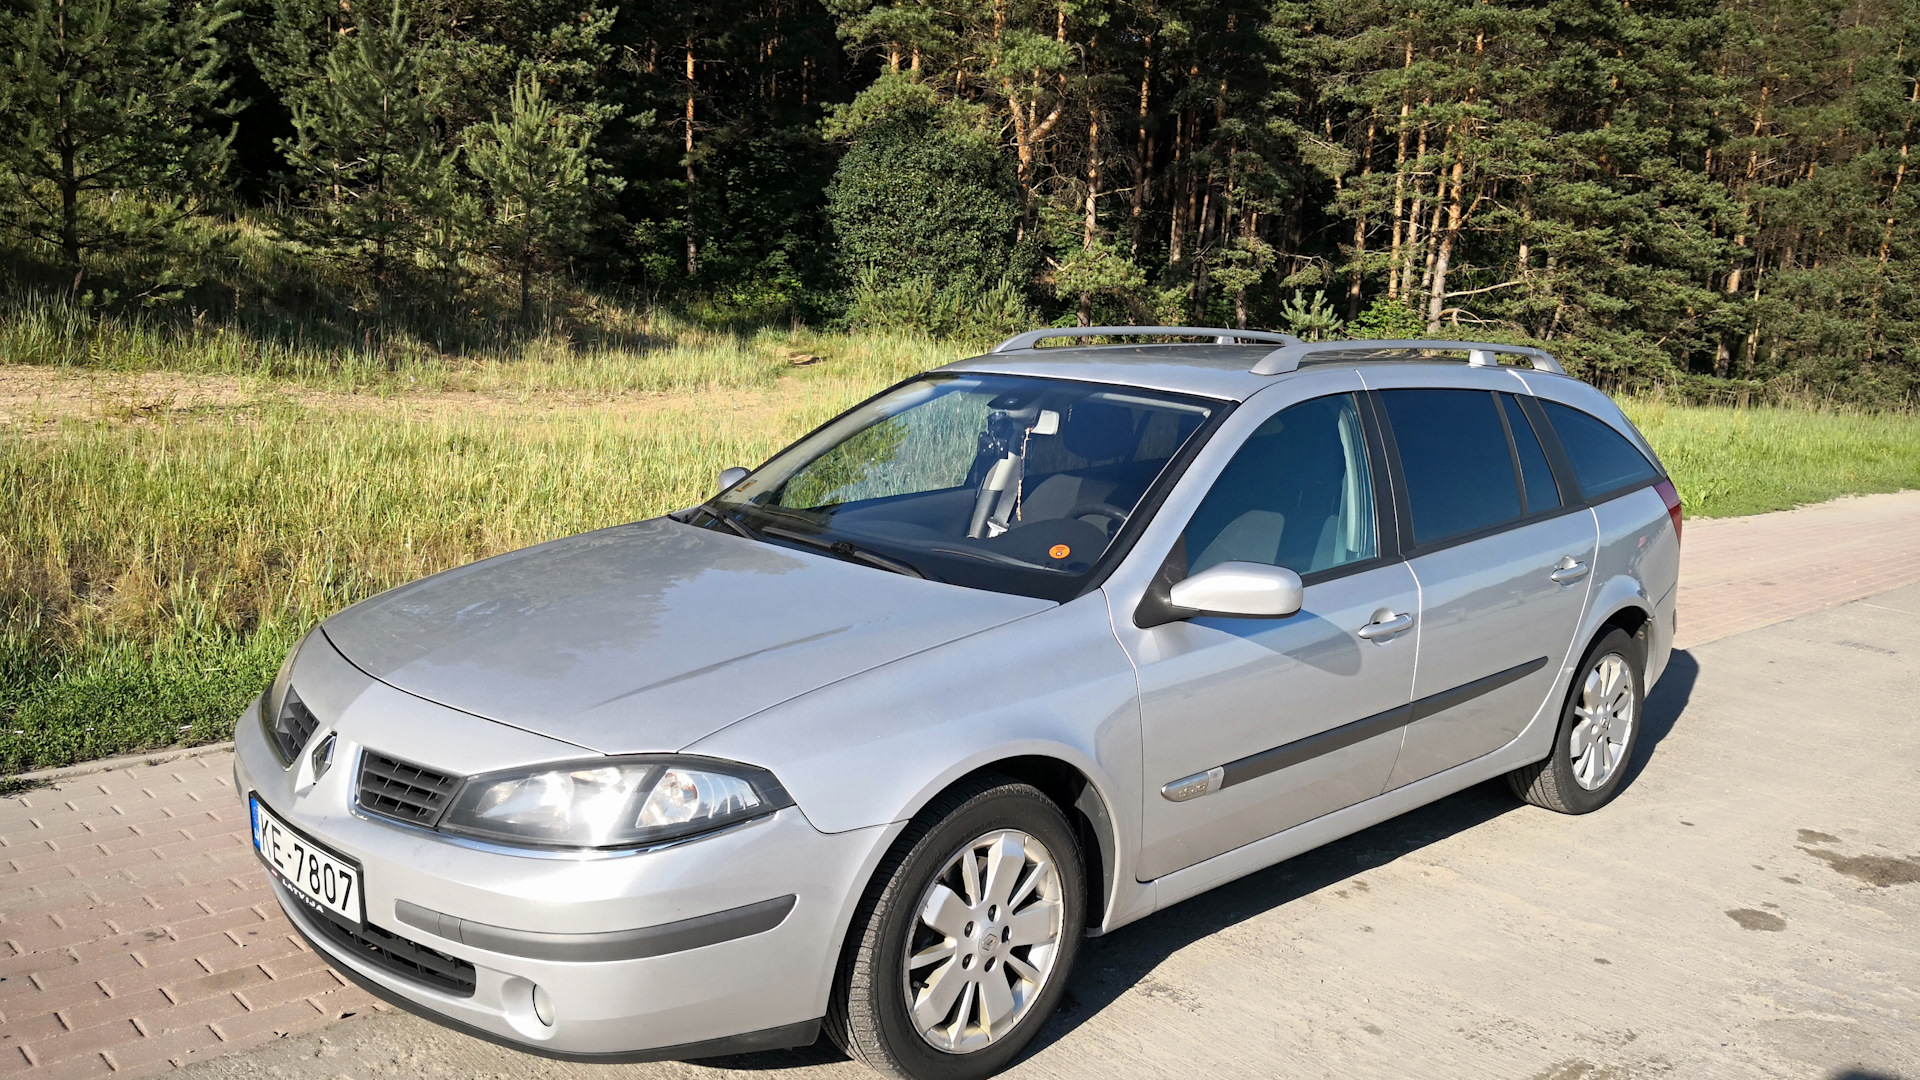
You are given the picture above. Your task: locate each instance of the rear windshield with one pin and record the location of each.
(1004, 482)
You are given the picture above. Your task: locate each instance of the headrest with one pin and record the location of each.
(1098, 431)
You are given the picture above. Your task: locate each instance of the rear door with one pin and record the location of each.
(1503, 558)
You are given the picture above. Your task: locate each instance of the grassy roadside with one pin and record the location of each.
(154, 565)
(1732, 462)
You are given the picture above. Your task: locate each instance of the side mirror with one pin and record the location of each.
(730, 477)
(1240, 590)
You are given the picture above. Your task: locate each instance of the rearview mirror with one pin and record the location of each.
(1240, 589)
(730, 477)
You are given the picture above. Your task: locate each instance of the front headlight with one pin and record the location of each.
(612, 802)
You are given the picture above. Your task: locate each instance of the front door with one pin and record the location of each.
(1503, 564)
(1251, 726)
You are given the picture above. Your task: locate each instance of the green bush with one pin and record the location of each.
(922, 197)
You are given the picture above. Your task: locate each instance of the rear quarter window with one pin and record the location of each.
(1603, 460)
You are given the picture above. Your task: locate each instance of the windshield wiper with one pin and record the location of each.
(731, 522)
(850, 552)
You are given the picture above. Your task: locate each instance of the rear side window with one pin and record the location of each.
(1454, 455)
(1603, 460)
(1535, 475)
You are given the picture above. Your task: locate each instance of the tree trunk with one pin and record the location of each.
(70, 209)
(1142, 158)
(1360, 226)
(1437, 296)
(1179, 190)
(693, 244)
(1399, 188)
(526, 279)
(1093, 203)
(1899, 175)
(1419, 208)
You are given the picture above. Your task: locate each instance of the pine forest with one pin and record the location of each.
(1710, 196)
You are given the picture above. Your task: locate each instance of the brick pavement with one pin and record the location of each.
(137, 930)
(1739, 574)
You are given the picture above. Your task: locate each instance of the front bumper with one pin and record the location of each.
(687, 988)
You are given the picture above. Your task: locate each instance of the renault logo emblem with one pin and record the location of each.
(323, 756)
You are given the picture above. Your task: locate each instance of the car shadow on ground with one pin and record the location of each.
(1111, 965)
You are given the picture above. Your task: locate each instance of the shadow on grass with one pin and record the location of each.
(1109, 966)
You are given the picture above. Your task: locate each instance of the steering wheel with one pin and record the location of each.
(1098, 509)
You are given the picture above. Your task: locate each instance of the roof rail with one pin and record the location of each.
(1479, 353)
(1032, 338)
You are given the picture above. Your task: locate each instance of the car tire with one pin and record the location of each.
(1591, 754)
(981, 827)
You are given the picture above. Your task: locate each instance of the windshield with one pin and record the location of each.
(1001, 482)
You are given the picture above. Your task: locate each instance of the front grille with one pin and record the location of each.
(292, 727)
(402, 790)
(396, 955)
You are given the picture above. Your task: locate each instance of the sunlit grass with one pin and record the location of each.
(154, 570)
(1728, 462)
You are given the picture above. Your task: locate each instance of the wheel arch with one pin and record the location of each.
(1074, 790)
(1632, 616)
(1079, 798)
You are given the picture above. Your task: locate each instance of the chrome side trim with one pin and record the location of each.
(1192, 787)
(644, 941)
(1257, 765)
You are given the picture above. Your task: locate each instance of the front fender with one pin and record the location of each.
(877, 747)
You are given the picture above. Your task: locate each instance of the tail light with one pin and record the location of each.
(1672, 499)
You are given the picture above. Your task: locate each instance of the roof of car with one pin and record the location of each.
(1214, 371)
(1225, 368)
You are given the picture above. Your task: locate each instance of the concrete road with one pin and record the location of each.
(1749, 907)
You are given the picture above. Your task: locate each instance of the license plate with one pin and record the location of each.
(327, 881)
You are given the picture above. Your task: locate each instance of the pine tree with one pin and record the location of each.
(104, 98)
(378, 172)
(538, 177)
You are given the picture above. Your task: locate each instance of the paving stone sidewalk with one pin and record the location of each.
(1739, 574)
(138, 932)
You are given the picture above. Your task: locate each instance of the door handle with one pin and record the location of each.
(1569, 571)
(1385, 624)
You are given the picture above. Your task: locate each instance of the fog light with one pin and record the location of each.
(543, 1005)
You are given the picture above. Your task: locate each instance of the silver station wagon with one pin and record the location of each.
(1013, 653)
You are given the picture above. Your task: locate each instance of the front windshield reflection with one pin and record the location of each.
(1005, 482)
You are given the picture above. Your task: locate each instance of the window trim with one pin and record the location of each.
(1564, 477)
(1409, 549)
(1513, 442)
(1566, 460)
(1156, 606)
(1123, 542)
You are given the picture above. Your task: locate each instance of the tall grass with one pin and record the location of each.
(153, 572)
(1727, 462)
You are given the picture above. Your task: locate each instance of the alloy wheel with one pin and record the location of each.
(986, 937)
(1606, 715)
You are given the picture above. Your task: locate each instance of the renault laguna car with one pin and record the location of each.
(1015, 652)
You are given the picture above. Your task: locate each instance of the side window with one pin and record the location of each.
(1297, 494)
(1454, 454)
(1603, 460)
(1536, 478)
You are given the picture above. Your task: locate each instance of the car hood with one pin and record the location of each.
(647, 637)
